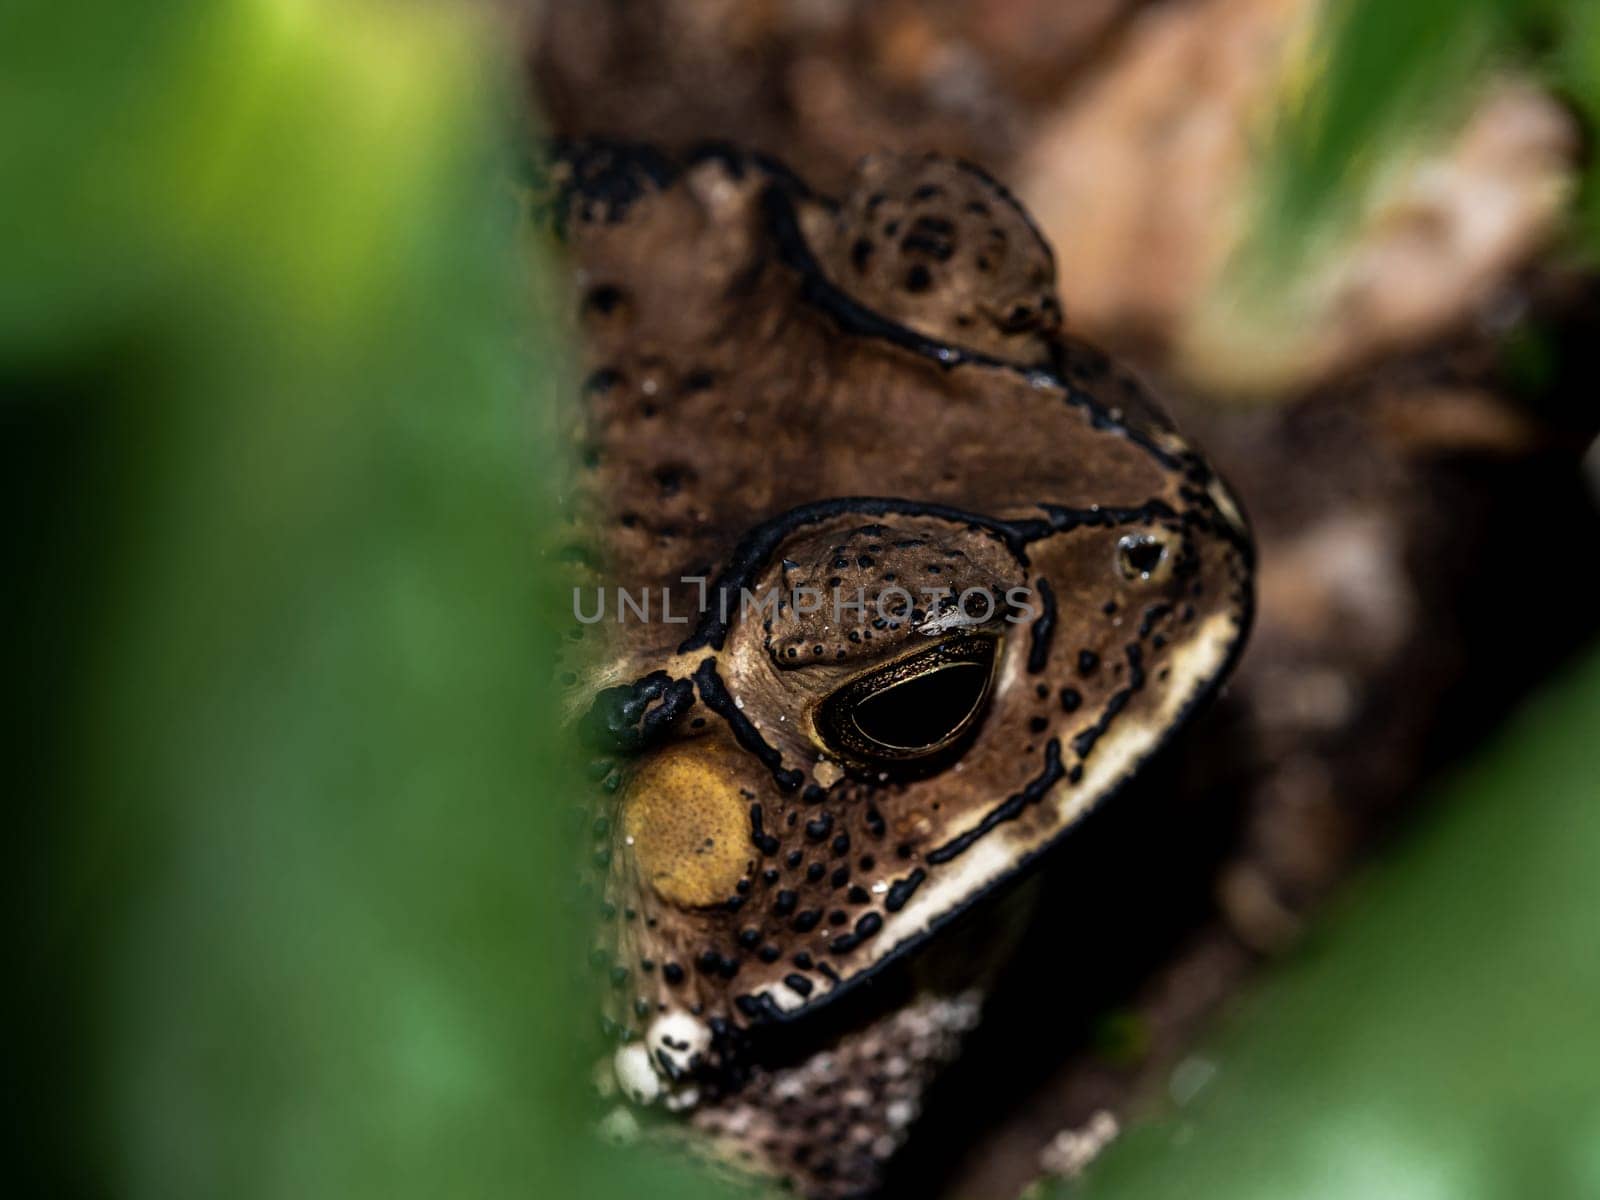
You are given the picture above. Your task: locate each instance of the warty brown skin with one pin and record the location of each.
(787, 396)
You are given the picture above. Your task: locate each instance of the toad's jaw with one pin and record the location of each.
(1195, 669)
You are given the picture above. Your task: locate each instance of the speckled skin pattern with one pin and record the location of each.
(783, 392)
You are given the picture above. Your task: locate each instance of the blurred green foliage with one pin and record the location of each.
(1577, 71)
(1384, 74)
(1437, 1038)
(289, 896)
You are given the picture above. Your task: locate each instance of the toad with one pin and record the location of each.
(884, 582)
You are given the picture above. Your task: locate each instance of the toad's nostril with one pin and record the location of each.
(1140, 556)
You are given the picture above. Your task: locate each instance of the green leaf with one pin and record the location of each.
(1437, 1037)
(297, 895)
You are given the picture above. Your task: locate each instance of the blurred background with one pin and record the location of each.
(289, 830)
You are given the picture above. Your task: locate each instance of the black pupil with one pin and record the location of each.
(1143, 554)
(923, 711)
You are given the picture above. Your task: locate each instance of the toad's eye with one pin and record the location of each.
(913, 710)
